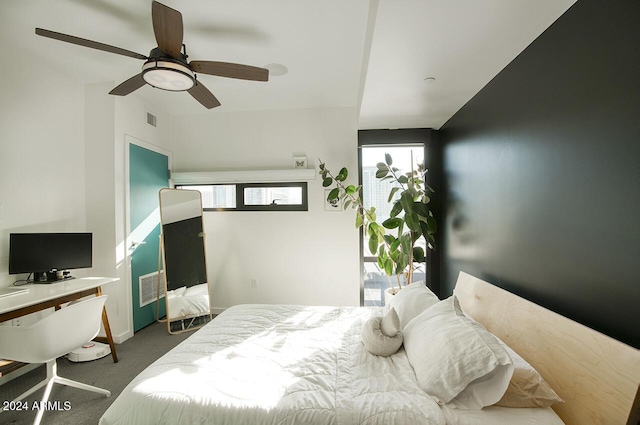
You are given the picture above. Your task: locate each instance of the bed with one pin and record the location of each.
(288, 364)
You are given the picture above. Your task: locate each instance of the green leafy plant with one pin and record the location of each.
(395, 239)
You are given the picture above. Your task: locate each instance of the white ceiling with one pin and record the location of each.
(370, 54)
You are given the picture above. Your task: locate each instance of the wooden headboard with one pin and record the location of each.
(597, 376)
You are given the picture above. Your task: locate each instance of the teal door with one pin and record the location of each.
(148, 173)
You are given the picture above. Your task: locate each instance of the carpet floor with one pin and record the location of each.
(79, 407)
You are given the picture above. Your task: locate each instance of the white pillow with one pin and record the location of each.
(178, 292)
(455, 359)
(412, 300)
(201, 289)
(374, 338)
(527, 387)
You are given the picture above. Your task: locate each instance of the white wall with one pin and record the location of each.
(42, 167)
(296, 257)
(109, 121)
(42, 164)
(99, 136)
(130, 122)
(62, 169)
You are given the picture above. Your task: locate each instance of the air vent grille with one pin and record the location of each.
(148, 285)
(152, 119)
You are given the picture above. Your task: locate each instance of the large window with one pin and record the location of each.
(375, 192)
(252, 196)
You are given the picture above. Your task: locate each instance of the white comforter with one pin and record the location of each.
(275, 364)
(188, 302)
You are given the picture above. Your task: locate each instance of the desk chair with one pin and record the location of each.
(56, 335)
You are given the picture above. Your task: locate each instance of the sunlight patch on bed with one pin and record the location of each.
(246, 384)
(309, 316)
(256, 372)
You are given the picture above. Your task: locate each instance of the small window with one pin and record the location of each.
(252, 196)
(216, 196)
(273, 197)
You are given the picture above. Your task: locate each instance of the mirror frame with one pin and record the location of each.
(162, 268)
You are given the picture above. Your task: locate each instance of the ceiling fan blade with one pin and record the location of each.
(231, 70)
(167, 26)
(203, 95)
(88, 43)
(132, 84)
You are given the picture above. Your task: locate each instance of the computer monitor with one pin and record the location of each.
(49, 255)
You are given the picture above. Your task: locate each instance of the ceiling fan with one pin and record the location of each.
(166, 67)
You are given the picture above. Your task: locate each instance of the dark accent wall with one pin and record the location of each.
(542, 172)
(433, 163)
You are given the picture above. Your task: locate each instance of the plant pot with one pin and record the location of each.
(389, 293)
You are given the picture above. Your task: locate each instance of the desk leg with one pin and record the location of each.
(107, 329)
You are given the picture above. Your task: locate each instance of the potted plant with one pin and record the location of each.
(395, 239)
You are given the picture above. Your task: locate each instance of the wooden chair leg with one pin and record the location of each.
(107, 329)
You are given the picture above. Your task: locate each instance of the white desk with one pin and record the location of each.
(44, 296)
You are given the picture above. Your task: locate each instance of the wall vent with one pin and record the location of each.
(152, 119)
(148, 285)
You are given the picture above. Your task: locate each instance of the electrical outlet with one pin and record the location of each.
(17, 321)
(254, 283)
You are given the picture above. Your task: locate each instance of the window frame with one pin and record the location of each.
(432, 159)
(190, 186)
(240, 204)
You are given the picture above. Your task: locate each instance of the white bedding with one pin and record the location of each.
(188, 302)
(278, 364)
(258, 364)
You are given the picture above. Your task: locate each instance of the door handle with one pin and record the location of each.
(135, 244)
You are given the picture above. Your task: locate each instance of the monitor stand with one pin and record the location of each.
(50, 277)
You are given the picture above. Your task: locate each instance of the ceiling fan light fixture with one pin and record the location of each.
(165, 75)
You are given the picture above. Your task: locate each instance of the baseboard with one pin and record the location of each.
(122, 337)
(117, 338)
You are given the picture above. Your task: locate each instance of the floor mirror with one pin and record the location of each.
(183, 256)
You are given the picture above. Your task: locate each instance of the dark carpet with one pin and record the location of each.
(85, 407)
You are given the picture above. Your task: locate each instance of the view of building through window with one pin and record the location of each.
(273, 195)
(216, 196)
